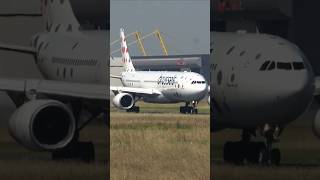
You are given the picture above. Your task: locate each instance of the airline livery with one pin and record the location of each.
(156, 86)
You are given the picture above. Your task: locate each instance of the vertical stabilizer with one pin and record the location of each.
(125, 53)
(59, 16)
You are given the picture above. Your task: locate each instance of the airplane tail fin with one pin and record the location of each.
(59, 16)
(125, 53)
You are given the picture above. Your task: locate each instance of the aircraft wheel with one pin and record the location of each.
(227, 152)
(255, 152)
(83, 151)
(182, 110)
(135, 109)
(275, 157)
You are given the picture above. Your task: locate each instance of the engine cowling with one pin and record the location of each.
(123, 101)
(45, 125)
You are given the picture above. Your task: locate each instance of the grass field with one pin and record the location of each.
(300, 156)
(18, 163)
(160, 145)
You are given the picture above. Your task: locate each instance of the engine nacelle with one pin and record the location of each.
(45, 125)
(123, 101)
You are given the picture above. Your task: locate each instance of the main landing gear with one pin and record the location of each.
(247, 151)
(135, 109)
(189, 109)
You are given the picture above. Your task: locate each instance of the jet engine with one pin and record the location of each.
(44, 125)
(123, 101)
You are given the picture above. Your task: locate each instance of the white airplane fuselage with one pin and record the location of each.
(74, 57)
(175, 87)
(258, 79)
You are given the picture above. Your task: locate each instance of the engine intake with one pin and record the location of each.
(43, 125)
(123, 101)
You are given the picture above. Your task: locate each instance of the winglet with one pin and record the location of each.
(125, 53)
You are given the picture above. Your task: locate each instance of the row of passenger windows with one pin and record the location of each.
(75, 62)
(271, 65)
(198, 82)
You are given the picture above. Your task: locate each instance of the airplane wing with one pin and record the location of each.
(136, 91)
(115, 77)
(57, 89)
(17, 48)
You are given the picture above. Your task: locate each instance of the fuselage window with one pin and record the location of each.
(233, 77)
(230, 50)
(71, 72)
(272, 66)
(46, 46)
(75, 45)
(219, 77)
(242, 53)
(58, 73)
(264, 66)
(64, 73)
(57, 28)
(258, 56)
(298, 65)
(40, 46)
(284, 66)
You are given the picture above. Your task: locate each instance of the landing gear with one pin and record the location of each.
(189, 109)
(247, 151)
(83, 151)
(135, 109)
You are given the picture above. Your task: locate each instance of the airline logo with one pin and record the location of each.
(167, 80)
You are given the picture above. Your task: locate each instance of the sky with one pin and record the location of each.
(185, 24)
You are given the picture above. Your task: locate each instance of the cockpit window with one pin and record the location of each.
(198, 82)
(272, 66)
(298, 65)
(264, 66)
(284, 66)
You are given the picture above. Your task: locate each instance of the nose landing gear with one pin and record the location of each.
(193, 109)
(247, 151)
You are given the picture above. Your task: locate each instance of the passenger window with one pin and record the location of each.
(58, 73)
(258, 56)
(242, 53)
(272, 66)
(219, 78)
(64, 73)
(264, 66)
(284, 66)
(233, 77)
(71, 72)
(298, 65)
(230, 50)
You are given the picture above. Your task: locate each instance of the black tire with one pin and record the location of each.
(275, 156)
(182, 110)
(195, 111)
(255, 152)
(83, 151)
(227, 152)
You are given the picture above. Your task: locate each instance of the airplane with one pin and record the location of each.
(259, 84)
(51, 112)
(156, 86)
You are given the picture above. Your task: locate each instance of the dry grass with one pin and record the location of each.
(159, 146)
